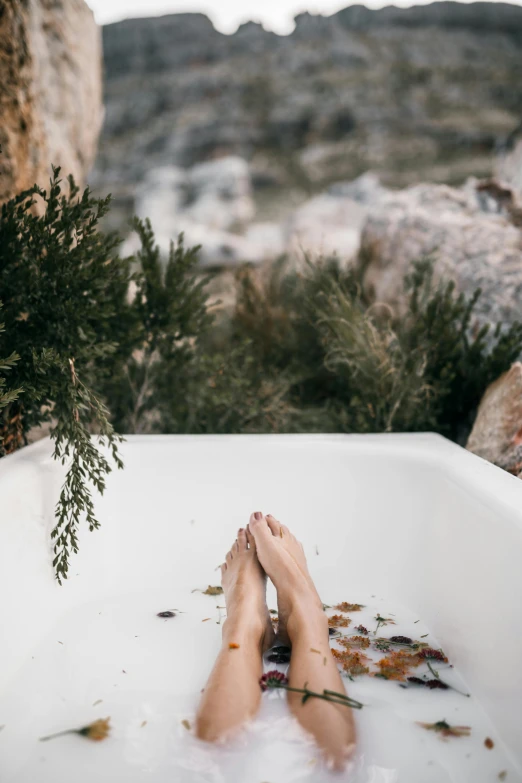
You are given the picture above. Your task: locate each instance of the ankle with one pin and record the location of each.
(308, 622)
(245, 631)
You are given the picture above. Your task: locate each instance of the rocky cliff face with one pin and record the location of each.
(50, 91)
(426, 93)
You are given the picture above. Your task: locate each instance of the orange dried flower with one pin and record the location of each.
(96, 731)
(389, 671)
(233, 646)
(355, 664)
(340, 655)
(404, 658)
(396, 665)
(338, 621)
(344, 606)
(360, 642)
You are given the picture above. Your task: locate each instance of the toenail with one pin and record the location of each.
(258, 515)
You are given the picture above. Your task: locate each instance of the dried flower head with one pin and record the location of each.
(356, 664)
(338, 621)
(400, 639)
(361, 629)
(396, 665)
(217, 590)
(344, 606)
(431, 684)
(434, 684)
(416, 681)
(445, 730)
(273, 679)
(428, 654)
(358, 642)
(96, 731)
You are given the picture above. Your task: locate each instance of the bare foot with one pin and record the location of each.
(244, 585)
(301, 615)
(283, 558)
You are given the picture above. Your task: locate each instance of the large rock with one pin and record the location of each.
(472, 233)
(497, 432)
(50, 91)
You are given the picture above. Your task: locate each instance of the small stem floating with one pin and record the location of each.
(275, 679)
(96, 731)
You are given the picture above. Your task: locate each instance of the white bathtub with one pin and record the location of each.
(412, 518)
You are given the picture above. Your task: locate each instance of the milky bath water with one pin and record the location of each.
(424, 546)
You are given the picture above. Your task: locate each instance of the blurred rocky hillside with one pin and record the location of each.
(429, 93)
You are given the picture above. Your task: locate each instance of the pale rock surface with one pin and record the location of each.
(50, 91)
(220, 193)
(508, 168)
(470, 234)
(326, 225)
(204, 203)
(330, 224)
(497, 432)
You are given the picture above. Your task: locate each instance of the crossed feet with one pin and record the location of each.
(268, 548)
(232, 695)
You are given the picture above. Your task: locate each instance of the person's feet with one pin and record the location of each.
(244, 585)
(283, 559)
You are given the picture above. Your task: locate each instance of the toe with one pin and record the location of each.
(241, 540)
(274, 525)
(223, 569)
(229, 556)
(258, 526)
(250, 538)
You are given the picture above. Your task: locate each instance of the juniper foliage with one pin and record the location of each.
(7, 396)
(64, 290)
(151, 371)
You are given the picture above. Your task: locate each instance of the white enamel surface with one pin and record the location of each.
(430, 530)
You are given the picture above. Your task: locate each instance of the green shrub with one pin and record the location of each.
(355, 367)
(157, 356)
(7, 396)
(63, 288)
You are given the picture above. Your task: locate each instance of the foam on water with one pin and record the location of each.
(118, 658)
